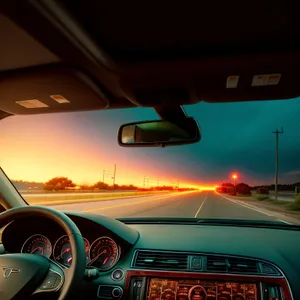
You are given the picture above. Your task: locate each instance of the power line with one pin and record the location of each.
(106, 173)
(147, 181)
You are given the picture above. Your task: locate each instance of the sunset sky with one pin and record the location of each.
(237, 137)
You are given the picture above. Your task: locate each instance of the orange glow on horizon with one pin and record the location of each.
(32, 152)
(207, 188)
(46, 146)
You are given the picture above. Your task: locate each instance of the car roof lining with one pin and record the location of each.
(152, 57)
(21, 50)
(138, 32)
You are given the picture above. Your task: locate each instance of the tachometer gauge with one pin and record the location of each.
(62, 251)
(104, 253)
(37, 244)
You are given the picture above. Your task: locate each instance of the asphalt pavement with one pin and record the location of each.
(185, 204)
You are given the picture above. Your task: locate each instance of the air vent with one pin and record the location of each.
(240, 265)
(105, 292)
(268, 269)
(216, 264)
(231, 265)
(202, 262)
(161, 260)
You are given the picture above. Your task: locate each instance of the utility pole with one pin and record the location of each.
(114, 178)
(277, 132)
(103, 178)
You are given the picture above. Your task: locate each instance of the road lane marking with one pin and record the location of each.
(200, 206)
(136, 202)
(89, 200)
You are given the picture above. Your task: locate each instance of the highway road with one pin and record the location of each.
(187, 204)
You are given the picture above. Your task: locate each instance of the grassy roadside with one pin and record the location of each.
(79, 198)
(285, 208)
(296, 204)
(289, 205)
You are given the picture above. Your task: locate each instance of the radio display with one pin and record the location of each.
(170, 289)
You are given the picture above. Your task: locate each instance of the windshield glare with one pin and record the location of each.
(72, 161)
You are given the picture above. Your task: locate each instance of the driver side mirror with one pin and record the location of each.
(159, 133)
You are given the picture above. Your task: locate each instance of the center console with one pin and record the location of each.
(161, 285)
(159, 288)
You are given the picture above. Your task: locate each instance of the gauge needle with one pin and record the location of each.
(38, 249)
(96, 257)
(105, 260)
(67, 250)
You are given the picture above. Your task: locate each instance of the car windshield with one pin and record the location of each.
(72, 162)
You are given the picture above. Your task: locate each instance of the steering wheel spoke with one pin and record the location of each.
(53, 281)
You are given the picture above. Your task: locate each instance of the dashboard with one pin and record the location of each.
(169, 261)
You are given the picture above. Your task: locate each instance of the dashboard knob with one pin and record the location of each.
(117, 293)
(117, 274)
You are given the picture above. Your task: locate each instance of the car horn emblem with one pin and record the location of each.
(8, 270)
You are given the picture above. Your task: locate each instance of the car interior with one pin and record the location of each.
(105, 55)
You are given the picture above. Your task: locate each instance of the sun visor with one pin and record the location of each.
(48, 90)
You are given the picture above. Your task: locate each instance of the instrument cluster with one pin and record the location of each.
(102, 253)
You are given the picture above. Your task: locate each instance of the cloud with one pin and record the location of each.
(291, 173)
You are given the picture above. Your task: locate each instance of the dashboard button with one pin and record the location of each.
(117, 274)
(196, 263)
(51, 282)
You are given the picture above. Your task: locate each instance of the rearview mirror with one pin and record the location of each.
(159, 133)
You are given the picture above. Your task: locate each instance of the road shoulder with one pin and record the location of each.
(268, 208)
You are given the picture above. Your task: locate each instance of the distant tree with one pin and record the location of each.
(85, 187)
(100, 185)
(228, 188)
(227, 184)
(163, 188)
(115, 187)
(58, 183)
(127, 187)
(262, 190)
(243, 188)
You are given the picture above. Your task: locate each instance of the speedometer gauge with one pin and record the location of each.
(37, 244)
(62, 251)
(104, 253)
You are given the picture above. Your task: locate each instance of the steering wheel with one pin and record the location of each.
(23, 275)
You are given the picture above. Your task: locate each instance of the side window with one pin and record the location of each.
(2, 208)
